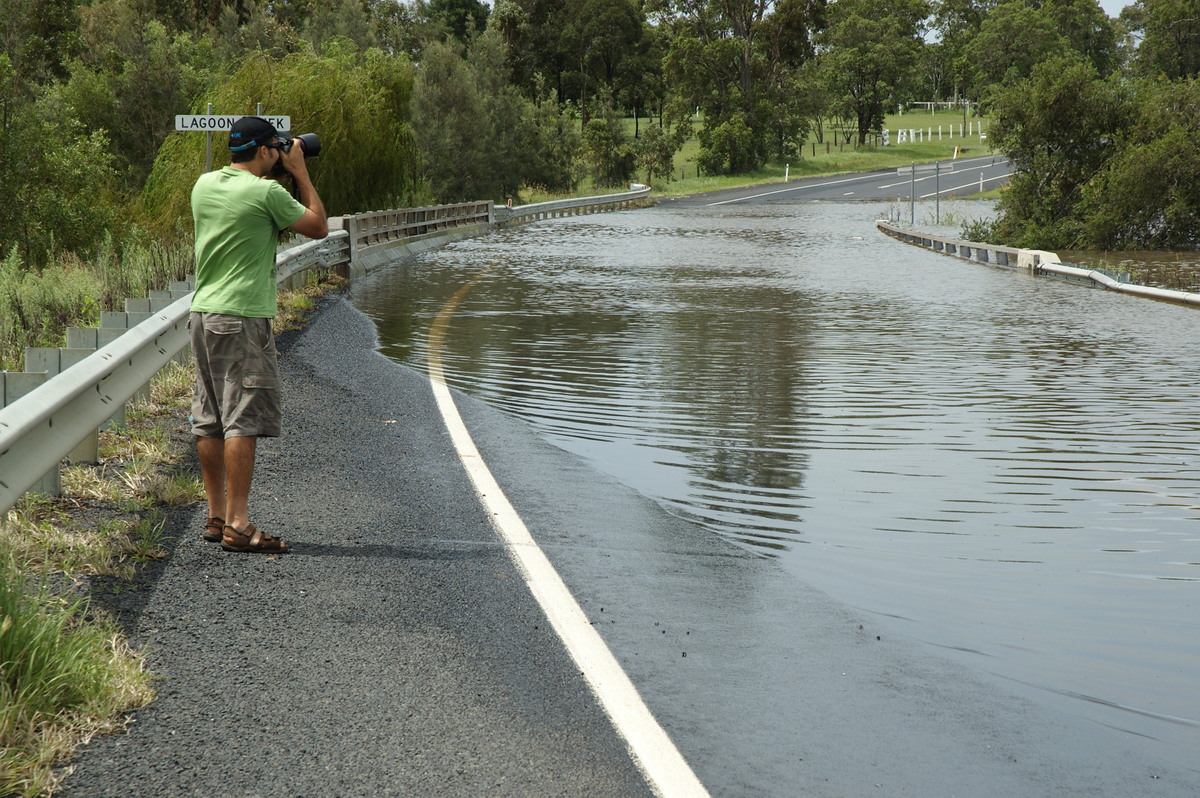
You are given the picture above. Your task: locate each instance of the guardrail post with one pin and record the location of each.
(14, 385)
(52, 362)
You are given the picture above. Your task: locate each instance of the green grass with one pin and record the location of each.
(66, 671)
(65, 674)
(818, 158)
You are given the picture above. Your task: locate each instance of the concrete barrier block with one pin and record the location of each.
(111, 318)
(83, 337)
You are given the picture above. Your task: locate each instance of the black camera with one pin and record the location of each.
(308, 142)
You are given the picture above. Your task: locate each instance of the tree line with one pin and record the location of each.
(445, 100)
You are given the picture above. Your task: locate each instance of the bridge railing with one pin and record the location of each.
(567, 207)
(1036, 261)
(378, 230)
(44, 418)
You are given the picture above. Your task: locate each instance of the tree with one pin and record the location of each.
(131, 79)
(399, 28)
(478, 136)
(654, 152)
(957, 22)
(870, 49)
(56, 185)
(1013, 38)
(735, 59)
(609, 156)
(1087, 29)
(602, 34)
(464, 19)
(1147, 195)
(358, 103)
(1170, 38)
(551, 143)
(38, 37)
(1059, 128)
(346, 19)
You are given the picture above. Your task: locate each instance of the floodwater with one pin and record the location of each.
(1177, 271)
(1002, 466)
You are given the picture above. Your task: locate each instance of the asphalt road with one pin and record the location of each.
(955, 178)
(397, 651)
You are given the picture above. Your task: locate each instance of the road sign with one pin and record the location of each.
(209, 123)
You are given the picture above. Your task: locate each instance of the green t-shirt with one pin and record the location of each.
(238, 218)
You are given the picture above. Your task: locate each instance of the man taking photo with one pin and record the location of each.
(238, 212)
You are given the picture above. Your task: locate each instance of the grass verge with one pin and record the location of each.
(939, 139)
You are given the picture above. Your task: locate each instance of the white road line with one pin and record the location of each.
(973, 184)
(784, 190)
(957, 166)
(667, 772)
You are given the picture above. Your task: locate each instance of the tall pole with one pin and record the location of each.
(208, 146)
(912, 194)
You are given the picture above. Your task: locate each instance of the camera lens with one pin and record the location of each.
(310, 144)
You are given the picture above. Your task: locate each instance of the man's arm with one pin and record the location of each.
(314, 223)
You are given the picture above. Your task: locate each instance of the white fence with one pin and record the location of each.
(46, 417)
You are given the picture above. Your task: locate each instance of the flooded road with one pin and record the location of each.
(1000, 466)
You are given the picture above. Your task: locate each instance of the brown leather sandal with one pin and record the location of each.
(252, 539)
(213, 529)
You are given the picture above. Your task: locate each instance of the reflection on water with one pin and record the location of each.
(998, 464)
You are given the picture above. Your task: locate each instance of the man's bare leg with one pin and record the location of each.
(211, 452)
(239, 471)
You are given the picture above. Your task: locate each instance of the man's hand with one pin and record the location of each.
(313, 223)
(293, 159)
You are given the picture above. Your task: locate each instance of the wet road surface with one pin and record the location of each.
(397, 651)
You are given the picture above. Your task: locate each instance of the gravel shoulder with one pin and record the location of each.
(394, 651)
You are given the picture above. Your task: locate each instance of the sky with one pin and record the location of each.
(1113, 7)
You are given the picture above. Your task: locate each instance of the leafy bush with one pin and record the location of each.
(728, 148)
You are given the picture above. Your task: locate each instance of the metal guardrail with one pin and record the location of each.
(554, 208)
(381, 229)
(45, 425)
(1037, 261)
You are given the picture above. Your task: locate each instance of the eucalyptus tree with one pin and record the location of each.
(1013, 39)
(1170, 33)
(734, 60)
(578, 47)
(956, 23)
(869, 50)
(602, 35)
(1087, 29)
